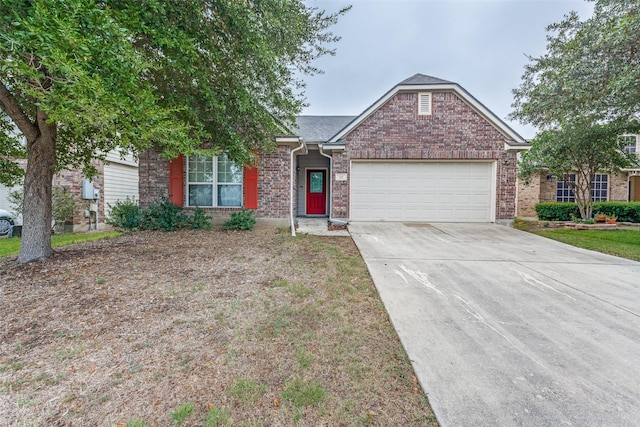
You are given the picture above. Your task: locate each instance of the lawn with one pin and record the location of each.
(11, 246)
(624, 242)
(202, 328)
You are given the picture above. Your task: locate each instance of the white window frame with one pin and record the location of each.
(597, 182)
(214, 183)
(570, 196)
(632, 147)
(424, 103)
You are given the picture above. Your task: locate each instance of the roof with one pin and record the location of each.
(429, 83)
(320, 128)
(422, 79)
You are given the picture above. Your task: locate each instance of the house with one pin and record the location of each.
(117, 179)
(427, 150)
(545, 187)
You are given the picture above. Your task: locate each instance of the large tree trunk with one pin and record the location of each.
(37, 214)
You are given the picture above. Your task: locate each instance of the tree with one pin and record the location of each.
(590, 70)
(81, 78)
(583, 93)
(579, 148)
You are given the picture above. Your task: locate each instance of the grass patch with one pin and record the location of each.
(624, 243)
(247, 391)
(181, 413)
(301, 393)
(11, 246)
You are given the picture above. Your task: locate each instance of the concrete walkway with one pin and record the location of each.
(317, 227)
(507, 328)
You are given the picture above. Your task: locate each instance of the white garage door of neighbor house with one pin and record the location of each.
(422, 191)
(120, 182)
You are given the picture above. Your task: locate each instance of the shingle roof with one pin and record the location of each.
(320, 128)
(421, 79)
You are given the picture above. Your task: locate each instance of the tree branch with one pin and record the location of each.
(11, 108)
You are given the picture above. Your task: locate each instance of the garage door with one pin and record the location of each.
(422, 191)
(120, 182)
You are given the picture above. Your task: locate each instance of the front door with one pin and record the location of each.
(316, 192)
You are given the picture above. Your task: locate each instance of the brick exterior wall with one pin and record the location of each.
(540, 189)
(72, 183)
(273, 183)
(153, 176)
(453, 131)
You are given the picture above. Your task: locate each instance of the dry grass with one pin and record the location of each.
(200, 328)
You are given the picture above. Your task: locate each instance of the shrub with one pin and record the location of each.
(554, 211)
(199, 220)
(242, 220)
(624, 211)
(124, 214)
(164, 215)
(63, 204)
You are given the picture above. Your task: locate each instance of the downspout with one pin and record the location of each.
(291, 188)
(331, 219)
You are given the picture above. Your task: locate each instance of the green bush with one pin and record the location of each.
(63, 204)
(624, 211)
(199, 220)
(124, 214)
(554, 211)
(242, 220)
(164, 215)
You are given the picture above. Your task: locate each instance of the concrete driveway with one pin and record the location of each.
(506, 328)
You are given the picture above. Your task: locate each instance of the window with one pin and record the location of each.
(564, 188)
(213, 181)
(424, 103)
(630, 143)
(599, 188)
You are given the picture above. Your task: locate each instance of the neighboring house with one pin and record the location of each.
(425, 151)
(117, 179)
(545, 187)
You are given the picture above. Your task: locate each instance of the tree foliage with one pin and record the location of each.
(80, 78)
(591, 69)
(583, 93)
(580, 148)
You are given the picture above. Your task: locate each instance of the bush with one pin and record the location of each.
(163, 215)
(242, 220)
(554, 211)
(624, 211)
(199, 220)
(63, 204)
(124, 214)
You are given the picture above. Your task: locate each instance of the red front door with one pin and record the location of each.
(316, 192)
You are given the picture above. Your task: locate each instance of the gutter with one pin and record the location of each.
(292, 186)
(331, 219)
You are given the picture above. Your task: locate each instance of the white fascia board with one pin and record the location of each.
(508, 147)
(453, 87)
(288, 140)
(331, 147)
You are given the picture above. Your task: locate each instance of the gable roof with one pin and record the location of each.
(428, 83)
(320, 128)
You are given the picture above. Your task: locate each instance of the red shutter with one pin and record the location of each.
(176, 187)
(251, 187)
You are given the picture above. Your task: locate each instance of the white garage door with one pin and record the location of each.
(120, 182)
(422, 191)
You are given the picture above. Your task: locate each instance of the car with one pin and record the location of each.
(6, 222)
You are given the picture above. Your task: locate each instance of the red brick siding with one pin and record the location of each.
(453, 131)
(273, 182)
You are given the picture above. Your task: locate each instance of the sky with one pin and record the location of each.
(483, 45)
